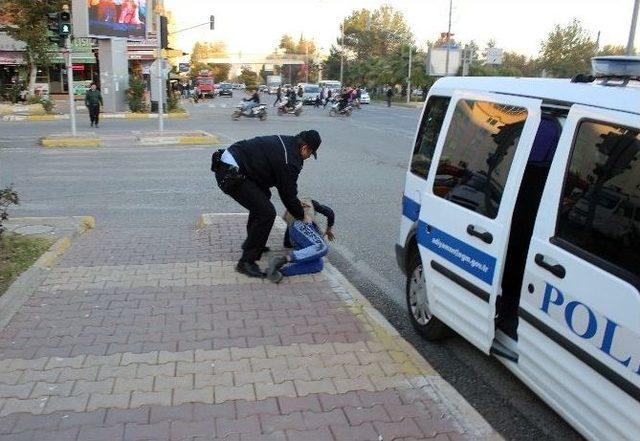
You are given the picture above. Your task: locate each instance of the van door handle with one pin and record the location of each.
(557, 269)
(485, 237)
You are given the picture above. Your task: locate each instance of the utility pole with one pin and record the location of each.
(634, 24)
(409, 76)
(306, 61)
(160, 65)
(342, 52)
(446, 64)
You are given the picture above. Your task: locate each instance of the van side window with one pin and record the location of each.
(601, 193)
(428, 135)
(477, 155)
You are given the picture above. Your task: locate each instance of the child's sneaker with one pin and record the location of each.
(273, 273)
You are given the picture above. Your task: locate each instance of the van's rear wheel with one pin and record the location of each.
(423, 321)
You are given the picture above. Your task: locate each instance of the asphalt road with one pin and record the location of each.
(360, 173)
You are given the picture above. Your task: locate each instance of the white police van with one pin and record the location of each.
(521, 232)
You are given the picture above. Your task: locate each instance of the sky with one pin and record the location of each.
(255, 26)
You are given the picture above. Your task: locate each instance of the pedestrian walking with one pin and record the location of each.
(278, 96)
(93, 101)
(307, 241)
(329, 93)
(248, 169)
(389, 95)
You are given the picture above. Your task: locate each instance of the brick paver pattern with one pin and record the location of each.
(150, 335)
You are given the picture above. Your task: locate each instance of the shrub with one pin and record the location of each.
(173, 102)
(135, 95)
(7, 197)
(47, 104)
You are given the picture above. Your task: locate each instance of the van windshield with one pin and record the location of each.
(312, 89)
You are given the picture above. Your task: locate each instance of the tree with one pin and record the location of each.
(200, 54)
(612, 49)
(28, 23)
(286, 43)
(248, 77)
(375, 49)
(567, 51)
(369, 34)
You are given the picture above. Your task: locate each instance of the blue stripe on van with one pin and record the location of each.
(410, 208)
(461, 254)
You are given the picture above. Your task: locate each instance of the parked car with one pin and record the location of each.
(225, 89)
(364, 97)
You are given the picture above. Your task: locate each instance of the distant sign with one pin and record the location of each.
(493, 55)
(183, 67)
(437, 61)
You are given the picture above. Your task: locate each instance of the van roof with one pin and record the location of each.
(626, 99)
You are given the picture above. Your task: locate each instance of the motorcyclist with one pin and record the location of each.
(344, 99)
(291, 98)
(253, 101)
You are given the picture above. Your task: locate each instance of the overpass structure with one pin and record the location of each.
(257, 59)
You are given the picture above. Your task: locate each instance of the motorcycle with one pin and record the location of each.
(335, 110)
(259, 111)
(285, 109)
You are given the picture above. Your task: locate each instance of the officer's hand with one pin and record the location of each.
(330, 235)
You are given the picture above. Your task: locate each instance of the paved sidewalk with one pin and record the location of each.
(149, 334)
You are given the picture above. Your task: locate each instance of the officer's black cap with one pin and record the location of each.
(312, 139)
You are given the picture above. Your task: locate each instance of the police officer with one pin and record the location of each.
(248, 169)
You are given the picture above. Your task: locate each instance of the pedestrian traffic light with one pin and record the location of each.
(211, 22)
(64, 27)
(59, 26)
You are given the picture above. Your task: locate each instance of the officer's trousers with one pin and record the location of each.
(262, 214)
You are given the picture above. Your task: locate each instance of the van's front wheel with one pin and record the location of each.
(423, 321)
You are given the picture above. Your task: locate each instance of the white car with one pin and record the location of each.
(520, 231)
(364, 97)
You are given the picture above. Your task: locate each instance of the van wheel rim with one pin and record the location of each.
(417, 298)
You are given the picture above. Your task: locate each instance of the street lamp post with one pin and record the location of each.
(634, 24)
(160, 65)
(446, 63)
(409, 76)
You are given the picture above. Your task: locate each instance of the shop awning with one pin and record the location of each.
(11, 58)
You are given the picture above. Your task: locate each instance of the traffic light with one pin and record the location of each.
(59, 26)
(211, 22)
(164, 33)
(64, 27)
(53, 26)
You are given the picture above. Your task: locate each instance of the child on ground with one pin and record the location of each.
(309, 246)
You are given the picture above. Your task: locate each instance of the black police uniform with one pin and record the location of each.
(264, 162)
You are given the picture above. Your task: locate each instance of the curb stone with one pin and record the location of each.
(426, 378)
(123, 115)
(29, 281)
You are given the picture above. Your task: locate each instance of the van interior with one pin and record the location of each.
(524, 217)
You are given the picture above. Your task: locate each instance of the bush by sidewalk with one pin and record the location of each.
(17, 254)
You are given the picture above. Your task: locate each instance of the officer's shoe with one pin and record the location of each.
(250, 269)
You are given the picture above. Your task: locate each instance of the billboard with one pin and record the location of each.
(437, 61)
(118, 18)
